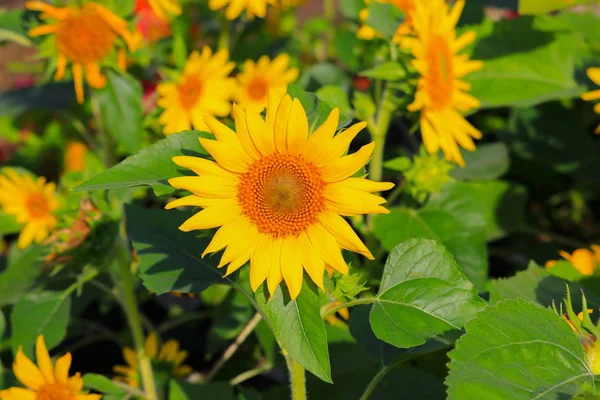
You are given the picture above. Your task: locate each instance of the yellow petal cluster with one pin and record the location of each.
(84, 36)
(277, 193)
(441, 95)
(165, 8)
(33, 203)
(594, 75)
(45, 381)
(169, 355)
(584, 260)
(233, 8)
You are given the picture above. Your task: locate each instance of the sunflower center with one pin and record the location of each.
(441, 72)
(37, 205)
(189, 90)
(54, 391)
(282, 194)
(85, 37)
(258, 89)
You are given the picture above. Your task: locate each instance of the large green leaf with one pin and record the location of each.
(467, 244)
(179, 390)
(299, 327)
(120, 103)
(517, 350)
(543, 6)
(169, 258)
(152, 166)
(9, 224)
(538, 285)
(524, 65)
(23, 268)
(423, 294)
(42, 313)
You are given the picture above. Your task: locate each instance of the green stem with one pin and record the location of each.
(377, 378)
(352, 303)
(297, 379)
(133, 317)
(329, 8)
(223, 43)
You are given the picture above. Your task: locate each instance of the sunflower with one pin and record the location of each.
(32, 202)
(168, 359)
(165, 8)
(44, 380)
(257, 79)
(85, 36)
(594, 75)
(441, 95)
(235, 7)
(277, 194)
(584, 260)
(203, 89)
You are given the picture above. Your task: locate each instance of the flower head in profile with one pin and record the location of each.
(85, 37)
(45, 381)
(236, 7)
(277, 194)
(257, 79)
(168, 359)
(441, 94)
(594, 75)
(33, 203)
(584, 260)
(203, 88)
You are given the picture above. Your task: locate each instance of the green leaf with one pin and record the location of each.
(120, 104)
(179, 390)
(316, 109)
(23, 268)
(9, 224)
(2, 324)
(488, 162)
(102, 384)
(152, 166)
(351, 8)
(525, 66)
(543, 6)
(517, 350)
(11, 28)
(169, 258)
(299, 327)
(465, 242)
(384, 18)
(388, 71)
(423, 294)
(43, 313)
(335, 97)
(538, 285)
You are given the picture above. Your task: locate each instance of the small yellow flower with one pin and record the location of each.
(32, 202)
(204, 88)
(84, 36)
(236, 7)
(277, 193)
(164, 8)
(45, 381)
(594, 75)
(169, 359)
(441, 95)
(75, 157)
(257, 79)
(584, 260)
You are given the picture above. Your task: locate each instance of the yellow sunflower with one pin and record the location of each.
(441, 95)
(164, 8)
(32, 202)
(277, 194)
(594, 75)
(257, 79)
(45, 381)
(204, 88)
(84, 36)
(235, 7)
(169, 359)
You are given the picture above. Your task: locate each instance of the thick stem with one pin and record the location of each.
(133, 318)
(297, 379)
(223, 43)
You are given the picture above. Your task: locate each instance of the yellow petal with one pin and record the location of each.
(229, 157)
(43, 359)
(291, 266)
(243, 133)
(213, 217)
(130, 357)
(16, 393)
(281, 124)
(192, 200)
(261, 135)
(313, 264)
(297, 128)
(260, 263)
(61, 369)
(339, 144)
(321, 137)
(327, 247)
(346, 166)
(151, 345)
(27, 372)
(344, 234)
(365, 185)
(207, 186)
(275, 274)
